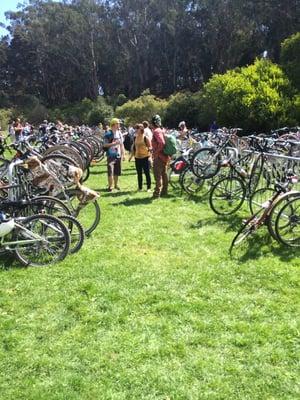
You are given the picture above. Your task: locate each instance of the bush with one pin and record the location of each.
(142, 108)
(85, 112)
(256, 98)
(5, 116)
(38, 114)
(290, 59)
(182, 106)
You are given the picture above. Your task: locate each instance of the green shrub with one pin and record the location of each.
(256, 98)
(182, 106)
(5, 117)
(290, 59)
(85, 112)
(142, 108)
(38, 114)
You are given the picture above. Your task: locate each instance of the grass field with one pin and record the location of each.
(153, 307)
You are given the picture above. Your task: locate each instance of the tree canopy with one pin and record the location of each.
(65, 52)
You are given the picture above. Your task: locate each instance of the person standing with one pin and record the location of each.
(11, 131)
(113, 143)
(214, 127)
(147, 130)
(18, 128)
(141, 150)
(160, 160)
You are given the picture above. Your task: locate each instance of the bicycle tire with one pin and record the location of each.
(76, 232)
(288, 223)
(173, 179)
(67, 151)
(205, 163)
(224, 193)
(247, 229)
(278, 205)
(88, 214)
(189, 182)
(49, 205)
(255, 174)
(31, 255)
(258, 198)
(58, 165)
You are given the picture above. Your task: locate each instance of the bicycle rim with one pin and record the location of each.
(52, 245)
(227, 196)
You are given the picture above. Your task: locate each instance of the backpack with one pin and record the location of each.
(128, 142)
(170, 147)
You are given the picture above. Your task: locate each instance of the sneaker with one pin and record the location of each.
(117, 187)
(110, 189)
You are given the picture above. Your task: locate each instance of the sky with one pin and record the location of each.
(7, 5)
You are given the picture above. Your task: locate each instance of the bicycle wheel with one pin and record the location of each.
(276, 208)
(189, 182)
(58, 166)
(258, 198)
(86, 175)
(287, 225)
(206, 163)
(43, 240)
(87, 213)
(250, 226)
(255, 174)
(47, 204)
(173, 178)
(67, 151)
(76, 232)
(227, 195)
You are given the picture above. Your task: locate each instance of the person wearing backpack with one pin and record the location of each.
(160, 159)
(141, 150)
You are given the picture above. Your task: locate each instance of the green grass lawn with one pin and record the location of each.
(153, 307)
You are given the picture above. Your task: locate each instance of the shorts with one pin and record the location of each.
(114, 166)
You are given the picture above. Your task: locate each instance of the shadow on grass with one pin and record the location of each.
(233, 222)
(134, 202)
(106, 193)
(204, 222)
(258, 246)
(197, 197)
(285, 253)
(7, 261)
(130, 172)
(98, 172)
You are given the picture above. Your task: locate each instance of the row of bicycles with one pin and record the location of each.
(258, 170)
(46, 211)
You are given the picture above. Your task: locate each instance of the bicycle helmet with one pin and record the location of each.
(182, 123)
(156, 120)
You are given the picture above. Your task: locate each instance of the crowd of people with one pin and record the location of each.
(18, 130)
(145, 143)
(147, 147)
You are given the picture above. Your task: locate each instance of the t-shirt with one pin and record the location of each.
(148, 133)
(158, 143)
(141, 148)
(114, 151)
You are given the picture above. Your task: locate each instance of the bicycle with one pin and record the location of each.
(261, 217)
(37, 240)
